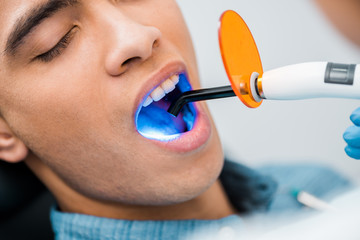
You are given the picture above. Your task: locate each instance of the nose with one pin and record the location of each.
(129, 42)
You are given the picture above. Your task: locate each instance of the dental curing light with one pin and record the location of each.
(200, 95)
(248, 81)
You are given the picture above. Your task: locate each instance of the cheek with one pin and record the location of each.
(60, 122)
(61, 113)
(48, 114)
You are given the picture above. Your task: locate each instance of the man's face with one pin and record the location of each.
(73, 78)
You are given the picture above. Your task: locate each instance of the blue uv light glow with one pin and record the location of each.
(154, 122)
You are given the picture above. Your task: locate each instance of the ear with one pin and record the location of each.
(12, 149)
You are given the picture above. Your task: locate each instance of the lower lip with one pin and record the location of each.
(192, 140)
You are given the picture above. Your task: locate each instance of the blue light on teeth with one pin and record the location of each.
(154, 122)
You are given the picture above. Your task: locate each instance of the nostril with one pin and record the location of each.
(156, 43)
(130, 61)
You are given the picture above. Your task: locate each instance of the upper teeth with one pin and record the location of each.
(160, 92)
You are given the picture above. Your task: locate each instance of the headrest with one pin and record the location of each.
(18, 187)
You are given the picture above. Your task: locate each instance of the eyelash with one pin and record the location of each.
(57, 49)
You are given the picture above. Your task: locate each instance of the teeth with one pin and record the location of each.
(160, 92)
(168, 86)
(175, 79)
(148, 101)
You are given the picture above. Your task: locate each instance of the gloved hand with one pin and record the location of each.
(352, 136)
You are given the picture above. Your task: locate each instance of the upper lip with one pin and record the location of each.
(155, 79)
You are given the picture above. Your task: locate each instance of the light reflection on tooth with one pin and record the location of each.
(175, 79)
(168, 86)
(148, 101)
(158, 94)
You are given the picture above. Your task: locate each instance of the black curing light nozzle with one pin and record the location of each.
(199, 95)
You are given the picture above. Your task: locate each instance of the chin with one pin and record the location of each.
(195, 175)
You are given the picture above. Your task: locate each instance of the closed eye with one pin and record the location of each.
(57, 49)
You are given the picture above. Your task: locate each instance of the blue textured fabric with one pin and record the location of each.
(267, 191)
(81, 227)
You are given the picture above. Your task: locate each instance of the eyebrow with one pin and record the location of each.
(32, 19)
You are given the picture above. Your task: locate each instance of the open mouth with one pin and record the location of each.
(154, 122)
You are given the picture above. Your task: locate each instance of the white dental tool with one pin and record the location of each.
(248, 81)
(294, 82)
(308, 80)
(300, 81)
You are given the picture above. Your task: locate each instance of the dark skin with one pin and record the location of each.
(73, 75)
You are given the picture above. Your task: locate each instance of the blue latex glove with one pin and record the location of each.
(352, 136)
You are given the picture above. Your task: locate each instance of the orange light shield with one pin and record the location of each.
(240, 55)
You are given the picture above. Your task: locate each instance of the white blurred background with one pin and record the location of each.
(286, 32)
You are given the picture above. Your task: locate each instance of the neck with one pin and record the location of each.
(212, 204)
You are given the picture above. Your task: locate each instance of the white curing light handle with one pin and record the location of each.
(311, 80)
